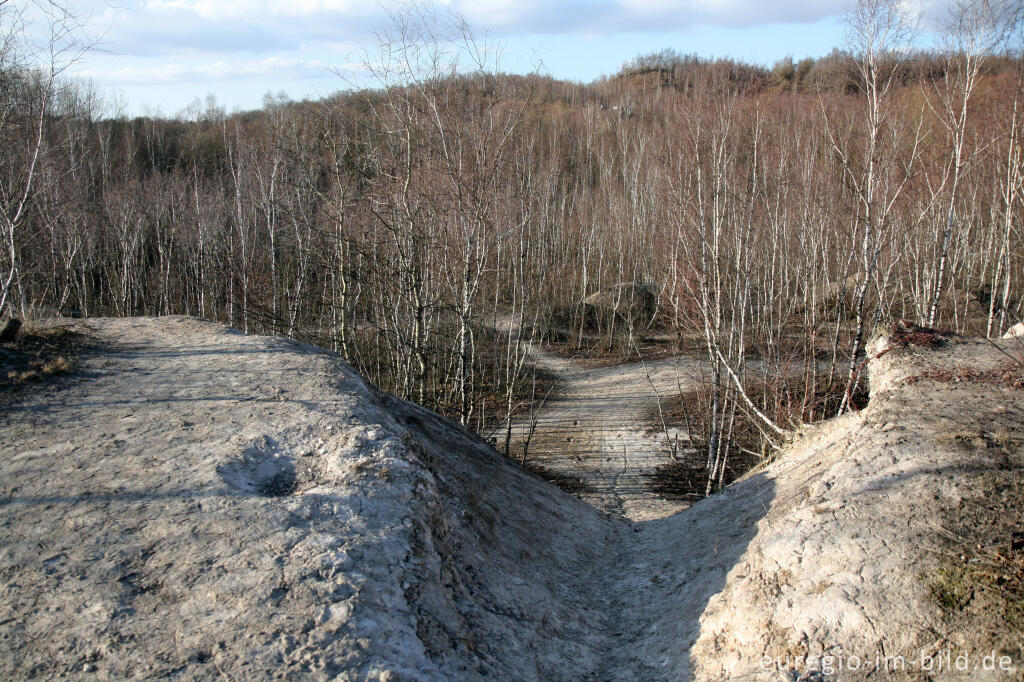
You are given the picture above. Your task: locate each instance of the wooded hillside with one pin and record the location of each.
(782, 214)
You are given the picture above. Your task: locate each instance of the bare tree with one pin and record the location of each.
(1012, 188)
(877, 31)
(32, 71)
(974, 30)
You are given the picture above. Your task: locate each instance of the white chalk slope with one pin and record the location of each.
(199, 503)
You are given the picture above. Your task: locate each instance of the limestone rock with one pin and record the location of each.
(1015, 331)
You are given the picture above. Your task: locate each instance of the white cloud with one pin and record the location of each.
(494, 13)
(182, 71)
(250, 9)
(238, 43)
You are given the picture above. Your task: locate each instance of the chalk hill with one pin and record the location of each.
(194, 502)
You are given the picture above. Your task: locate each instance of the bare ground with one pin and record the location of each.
(848, 557)
(192, 502)
(594, 429)
(197, 503)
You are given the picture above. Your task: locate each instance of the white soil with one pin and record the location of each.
(197, 503)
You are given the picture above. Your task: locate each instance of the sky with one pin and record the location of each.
(155, 57)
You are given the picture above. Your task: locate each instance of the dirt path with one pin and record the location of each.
(595, 428)
(196, 503)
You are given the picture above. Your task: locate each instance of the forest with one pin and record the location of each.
(432, 227)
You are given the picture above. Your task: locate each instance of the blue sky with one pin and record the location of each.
(157, 56)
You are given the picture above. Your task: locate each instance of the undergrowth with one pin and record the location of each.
(787, 403)
(1008, 375)
(38, 354)
(683, 480)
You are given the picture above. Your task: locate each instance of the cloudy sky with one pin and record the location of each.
(157, 56)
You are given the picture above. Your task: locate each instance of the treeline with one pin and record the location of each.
(836, 72)
(424, 227)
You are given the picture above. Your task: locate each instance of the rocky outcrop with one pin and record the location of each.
(1014, 331)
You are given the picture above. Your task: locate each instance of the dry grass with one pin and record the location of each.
(903, 334)
(1008, 375)
(979, 582)
(38, 354)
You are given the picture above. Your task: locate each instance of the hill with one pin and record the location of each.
(190, 501)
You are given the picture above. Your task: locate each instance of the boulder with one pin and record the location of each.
(634, 302)
(829, 297)
(1015, 331)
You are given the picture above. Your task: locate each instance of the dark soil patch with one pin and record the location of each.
(570, 484)
(684, 481)
(37, 355)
